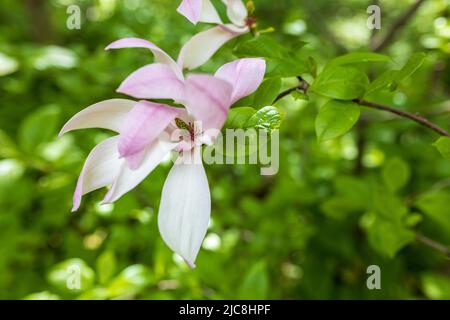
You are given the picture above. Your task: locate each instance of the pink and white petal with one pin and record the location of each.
(127, 179)
(191, 9)
(100, 169)
(153, 81)
(160, 55)
(208, 100)
(209, 13)
(108, 114)
(135, 160)
(199, 11)
(245, 74)
(236, 12)
(143, 124)
(201, 47)
(185, 209)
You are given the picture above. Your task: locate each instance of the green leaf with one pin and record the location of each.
(238, 117)
(436, 286)
(384, 81)
(337, 207)
(388, 206)
(262, 46)
(359, 57)
(386, 236)
(287, 67)
(39, 127)
(44, 295)
(130, 281)
(106, 266)
(267, 118)
(443, 146)
(298, 45)
(390, 79)
(8, 148)
(340, 83)
(255, 284)
(396, 173)
(72, 276)
(410, 67)
(335, 118)
(267, 92)
(435, 206)
(354, 190)
(298, 95)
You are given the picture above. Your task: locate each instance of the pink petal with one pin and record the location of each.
(127, 178)
(135, 160)
(199, 11)
(100, 169)
(245, 74)
(191, 9)
(160, 55)
(203, 45)
(208, 100)
(143, 124)
(154, 81)
(108, 114)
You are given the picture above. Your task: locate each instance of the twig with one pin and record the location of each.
(415, 117)
(397, 26)
(285, 93)
(405, 114)
(439, 247)
(302, 86)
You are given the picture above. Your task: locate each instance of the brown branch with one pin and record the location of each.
(439, 247)
(397, 26)
(285, 93)
(415, 117)
(304, 86)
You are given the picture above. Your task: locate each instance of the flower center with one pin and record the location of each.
(186, 126)
(250, 22)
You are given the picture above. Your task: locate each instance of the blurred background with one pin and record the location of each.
(304, 233)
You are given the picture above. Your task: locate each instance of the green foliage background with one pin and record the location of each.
(308, 232)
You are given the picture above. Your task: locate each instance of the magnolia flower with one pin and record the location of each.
(146, 135)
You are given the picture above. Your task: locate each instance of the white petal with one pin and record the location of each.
(127, 178)
(160, 55)
(203, 45)
(108, 114)
(236, 12)
(199, 11)
(185, 209)
(209, 13)
(100, 169)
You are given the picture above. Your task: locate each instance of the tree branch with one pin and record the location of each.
(397, 26)
(415, 117)
(439, 247)
(304, 86)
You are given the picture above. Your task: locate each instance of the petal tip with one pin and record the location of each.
(61, 133)
(190, 264)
